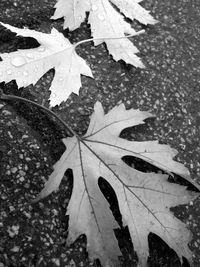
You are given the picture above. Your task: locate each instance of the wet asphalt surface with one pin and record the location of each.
(34, 235)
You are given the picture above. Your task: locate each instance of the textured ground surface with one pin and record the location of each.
(30, 141)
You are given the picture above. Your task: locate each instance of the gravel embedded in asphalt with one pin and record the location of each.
(30, 142)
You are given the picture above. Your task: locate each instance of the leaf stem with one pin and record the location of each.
(108, 38)
(18, 98)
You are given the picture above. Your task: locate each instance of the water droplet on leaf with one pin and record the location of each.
(25, 73)
(30, 55)
(18, 61)
(9, 72)
(36, 69)
(41, 48)
(101, 17)
(94, 7)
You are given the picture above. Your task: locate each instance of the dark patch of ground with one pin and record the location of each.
(34, 235)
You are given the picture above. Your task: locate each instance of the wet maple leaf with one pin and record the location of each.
(144, 199)
(107, 22)
(27, 66)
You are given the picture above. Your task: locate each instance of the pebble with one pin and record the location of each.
(14, 170)
(6, 112)
(21, 156)
(11, 208)
(21, 179)
(27, 214)
(56, 261)
(12, 231)
(22, 173)
(15, 249)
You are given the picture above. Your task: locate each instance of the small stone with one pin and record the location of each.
(15, 249)
(55, 212)
(27, 185)
(22, 173)
(14, 170)
(6, 112)
(21, 179)
(25, 167)
(27, 214)
(12, 231)
(8, 172)
(11, 208)
(72, 263)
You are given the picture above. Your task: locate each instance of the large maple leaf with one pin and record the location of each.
(107, 22)
(144, 198)
(27, 66)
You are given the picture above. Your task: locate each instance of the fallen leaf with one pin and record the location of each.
(106, 22)
(27, 66)
(144, 199)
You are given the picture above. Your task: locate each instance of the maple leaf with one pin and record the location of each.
(27, 66)
(144, 199)
(106, 22)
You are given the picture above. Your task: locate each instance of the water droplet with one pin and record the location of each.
(9, 72)
(25, 82)
(80, 17)
(30, 55)
(36, 69)
(60, 79)
(25, 73)
(101, 17)
(94, 7)
(18, 61)
(41, 48)
(53, 95)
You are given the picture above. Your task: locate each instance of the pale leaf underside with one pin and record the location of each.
(107, 22)
(144, 199)
(27, 66)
